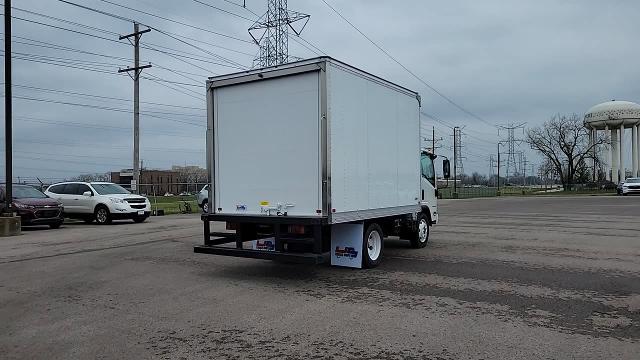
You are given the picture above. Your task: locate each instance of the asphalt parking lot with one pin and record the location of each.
(507, 278)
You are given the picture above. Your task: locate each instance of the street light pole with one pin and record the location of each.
(8, 136)
(498, 180)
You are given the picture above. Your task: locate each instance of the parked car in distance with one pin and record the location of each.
(34, 207)
(630, 186)
(100, 201)
(203, 198)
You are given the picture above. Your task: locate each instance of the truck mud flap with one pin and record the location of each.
(298, 258)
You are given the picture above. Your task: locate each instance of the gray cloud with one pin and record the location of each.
(516, 61)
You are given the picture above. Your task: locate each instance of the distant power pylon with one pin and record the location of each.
(271, 33)
(512, 142)
(457, 151)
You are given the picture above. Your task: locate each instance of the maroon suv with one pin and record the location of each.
(34, 207)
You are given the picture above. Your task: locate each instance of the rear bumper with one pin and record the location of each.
(304, 258)
(310, 248)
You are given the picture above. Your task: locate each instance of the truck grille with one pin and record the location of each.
(43, 214)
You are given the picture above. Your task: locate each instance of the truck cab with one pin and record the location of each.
(428, 186)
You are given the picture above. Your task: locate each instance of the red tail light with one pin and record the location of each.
(296, 229)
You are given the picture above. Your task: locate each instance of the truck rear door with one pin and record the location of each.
(267, 146)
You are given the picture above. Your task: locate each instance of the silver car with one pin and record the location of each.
(631, 186)
(203, 198)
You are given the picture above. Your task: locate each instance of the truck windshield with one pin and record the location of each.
(428, 172)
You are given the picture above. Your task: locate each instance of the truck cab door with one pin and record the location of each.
(428, 185)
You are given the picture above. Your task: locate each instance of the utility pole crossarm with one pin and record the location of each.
(134, 68)
(135, 33)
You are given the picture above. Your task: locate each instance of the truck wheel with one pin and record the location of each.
(420, 236)
(205, 206)
(372, 246)
(102, 215)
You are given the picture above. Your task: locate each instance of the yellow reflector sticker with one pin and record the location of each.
(264, 203)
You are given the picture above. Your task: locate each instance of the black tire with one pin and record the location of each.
(102, 215)
(415, 236)
(205, 206)
(139, 219)
(55, 226)
(369, 247)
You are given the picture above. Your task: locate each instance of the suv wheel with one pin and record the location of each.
(205, 206)
(102, 215)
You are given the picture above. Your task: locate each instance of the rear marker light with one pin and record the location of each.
(296, 229)
(333, 210)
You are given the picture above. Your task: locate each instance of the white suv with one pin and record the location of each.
(99, 201)
(203, 199)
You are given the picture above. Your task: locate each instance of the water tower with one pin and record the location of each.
(614, 117)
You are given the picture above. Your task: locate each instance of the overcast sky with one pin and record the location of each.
(505, 61)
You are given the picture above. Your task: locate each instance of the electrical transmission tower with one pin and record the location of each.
(512, 142)
(271, 33)
(457, 151)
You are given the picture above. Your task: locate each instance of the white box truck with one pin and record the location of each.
(315, 160)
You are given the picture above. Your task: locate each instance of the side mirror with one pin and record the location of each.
(446, 169)
(87, 193)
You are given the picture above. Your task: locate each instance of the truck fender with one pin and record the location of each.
(427, 211)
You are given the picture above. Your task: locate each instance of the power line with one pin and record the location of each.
(166, 33)
(69, 30)
(208, 43)
(101, 96)
(222, 10)
(241, 67)
(106, 108)
(187, 92)
(187, 55)
(448, 99)
(92, 145)
(101, 127)
(159, 17)
(65, 21)
(75, 65)
(98, 11)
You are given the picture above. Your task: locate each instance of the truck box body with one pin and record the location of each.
(313, 139)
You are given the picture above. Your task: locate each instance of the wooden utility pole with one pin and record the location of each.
(137, 70)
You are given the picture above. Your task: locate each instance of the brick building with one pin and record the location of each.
(152, 182)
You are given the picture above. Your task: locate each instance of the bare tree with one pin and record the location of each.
(93, 177)
(564, 141)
